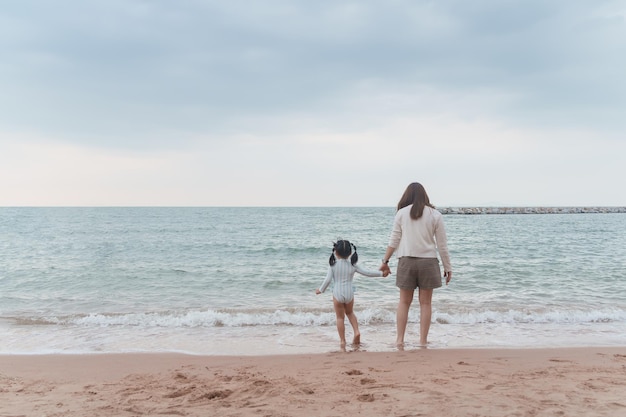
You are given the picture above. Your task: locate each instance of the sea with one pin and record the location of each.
(242, 280)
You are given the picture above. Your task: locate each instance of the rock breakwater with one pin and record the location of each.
(530, 210)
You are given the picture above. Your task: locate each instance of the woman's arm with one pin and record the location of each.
(442, 244)
(384, 267)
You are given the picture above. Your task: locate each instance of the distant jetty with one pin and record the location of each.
(530, 210)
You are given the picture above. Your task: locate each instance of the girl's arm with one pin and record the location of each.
(367, 272)
(326, 283)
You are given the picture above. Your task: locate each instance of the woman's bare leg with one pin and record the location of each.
(425, 298)
(340, 312)
(402, 314)
(354, 322)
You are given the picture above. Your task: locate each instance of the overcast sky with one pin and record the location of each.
(312, 103)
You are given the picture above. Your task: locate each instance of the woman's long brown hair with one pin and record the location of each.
(415, 194)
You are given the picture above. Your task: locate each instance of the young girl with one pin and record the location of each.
(341, 273)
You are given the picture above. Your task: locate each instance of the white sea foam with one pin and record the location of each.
(375, 316)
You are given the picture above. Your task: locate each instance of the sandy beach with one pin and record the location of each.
(425, 382)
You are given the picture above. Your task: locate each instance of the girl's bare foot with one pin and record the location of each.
(357, 339)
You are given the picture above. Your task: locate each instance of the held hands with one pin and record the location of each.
(385, 270)
(318, 292)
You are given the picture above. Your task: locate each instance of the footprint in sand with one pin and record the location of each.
(180, 393)
(366, 398)
(215, 394)
(354, 372)
(180, 376)
(260, 382)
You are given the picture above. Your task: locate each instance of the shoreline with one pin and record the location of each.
(456, 382)
(532, 210)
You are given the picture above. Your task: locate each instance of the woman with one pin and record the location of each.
(418, 234)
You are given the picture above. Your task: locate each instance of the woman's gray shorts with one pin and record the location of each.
(418, 273)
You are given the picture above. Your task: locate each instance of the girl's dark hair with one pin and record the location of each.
(344, 249)
(415, 194)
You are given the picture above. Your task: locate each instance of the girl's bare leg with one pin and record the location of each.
(426, 310)
(340, 312)
(402, 314)
(354, 322)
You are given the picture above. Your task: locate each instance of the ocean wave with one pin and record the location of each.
(532, 317)
(307, 318)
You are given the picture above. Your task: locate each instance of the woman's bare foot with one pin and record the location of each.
(357, 339)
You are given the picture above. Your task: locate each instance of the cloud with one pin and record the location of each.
(307, 103)
(133, 74)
